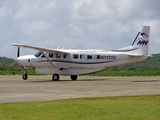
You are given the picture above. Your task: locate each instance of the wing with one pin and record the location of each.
(41, 49)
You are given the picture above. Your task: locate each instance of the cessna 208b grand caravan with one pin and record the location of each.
(77, 62)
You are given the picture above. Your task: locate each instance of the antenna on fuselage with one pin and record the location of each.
(58, 47)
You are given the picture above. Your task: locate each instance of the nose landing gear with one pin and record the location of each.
(24, 76)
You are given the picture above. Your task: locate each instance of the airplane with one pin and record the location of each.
(77, 62)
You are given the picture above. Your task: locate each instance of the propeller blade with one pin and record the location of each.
(12, 64)
(18, 52)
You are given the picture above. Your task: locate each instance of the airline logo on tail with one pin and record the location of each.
(144, 35)
(143, 42)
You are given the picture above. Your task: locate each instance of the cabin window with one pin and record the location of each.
(38, 54)
(82, 56)
(51, 55)
(75, 56)
(66, 56)
(89, 56)
(57, 55)
(97, 57)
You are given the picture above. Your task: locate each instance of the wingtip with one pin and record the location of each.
(13, 44)
(16, 44)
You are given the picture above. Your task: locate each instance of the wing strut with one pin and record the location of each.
(48, 59)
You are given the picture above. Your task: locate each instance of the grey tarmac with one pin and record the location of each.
(41, 88)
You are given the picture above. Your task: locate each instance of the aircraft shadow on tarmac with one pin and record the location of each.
(85, 80)
(146, 81)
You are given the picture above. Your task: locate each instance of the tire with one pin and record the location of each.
(55, 77)
(74, 77)
(25, 76)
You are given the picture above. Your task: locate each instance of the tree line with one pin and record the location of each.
(149, 67)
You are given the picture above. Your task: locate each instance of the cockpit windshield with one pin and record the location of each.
(38, 54)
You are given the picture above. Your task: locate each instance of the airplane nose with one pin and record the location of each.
(22, 60)
(25, 60)
(19, 60)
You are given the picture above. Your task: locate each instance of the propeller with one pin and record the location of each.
(18, 52)
(15, 61)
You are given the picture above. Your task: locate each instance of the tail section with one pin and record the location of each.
(141, 41)
(140, 44)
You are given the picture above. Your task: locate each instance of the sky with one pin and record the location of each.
(76, 24)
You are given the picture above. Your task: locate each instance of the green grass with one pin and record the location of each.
(110, 108)
(102, 73)
(126, 73)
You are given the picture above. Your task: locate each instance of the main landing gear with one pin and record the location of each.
(74, 77)
(25, 76)
(55, 77)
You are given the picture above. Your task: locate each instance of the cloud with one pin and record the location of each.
(31, 8)
(87, 24)
(35, 28)
(92, 10)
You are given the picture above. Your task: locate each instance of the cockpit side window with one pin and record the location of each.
(43, 56)
(51, 55)
(38, 54)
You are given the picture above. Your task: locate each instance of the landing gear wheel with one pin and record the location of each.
(25, 76)
(74, 77)
(55, 77)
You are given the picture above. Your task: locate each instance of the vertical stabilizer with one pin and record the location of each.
(141, 41)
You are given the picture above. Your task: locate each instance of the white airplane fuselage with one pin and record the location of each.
(79, 65)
